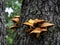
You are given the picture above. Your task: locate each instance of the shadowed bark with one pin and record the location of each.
(48, 10)
(2, 23)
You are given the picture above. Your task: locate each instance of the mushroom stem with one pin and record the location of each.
(38, 34)
(28, 30)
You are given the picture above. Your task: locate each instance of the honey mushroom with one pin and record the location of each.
(16, 22)
(43, 25)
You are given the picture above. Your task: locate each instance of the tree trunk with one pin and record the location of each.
(2, 23)
(48, 10)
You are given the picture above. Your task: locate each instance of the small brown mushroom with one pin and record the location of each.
(33, 22)
(29, 23)
(46, 24)
(39, 21)
(38, 30)
(14, 27)
(15, 20)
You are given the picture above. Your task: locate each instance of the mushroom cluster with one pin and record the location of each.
(16, 22)
(37, 26)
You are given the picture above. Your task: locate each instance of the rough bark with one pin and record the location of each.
(42, 9)
(2, 23)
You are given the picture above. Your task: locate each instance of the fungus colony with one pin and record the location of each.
(16, 22)
(36, 26)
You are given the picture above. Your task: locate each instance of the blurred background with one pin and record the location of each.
(13, 8)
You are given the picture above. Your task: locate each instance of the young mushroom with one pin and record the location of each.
(30, 23)
(14, 27)
(46, 24)
(16, 22)
(39, 21)
(38, 31)
(15, 19)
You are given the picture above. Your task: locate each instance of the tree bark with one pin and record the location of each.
(48, 10)
(2, 23)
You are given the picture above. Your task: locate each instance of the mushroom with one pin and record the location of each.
(15, 20)
(29, 23)
(46, 24)
(38, 31)
(14, 27)
(37, 26)
(39, 21)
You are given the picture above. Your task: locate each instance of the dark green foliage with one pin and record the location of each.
(16, 8)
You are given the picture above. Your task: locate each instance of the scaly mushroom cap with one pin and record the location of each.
(38, 30)
(16, 20)
(46, 24)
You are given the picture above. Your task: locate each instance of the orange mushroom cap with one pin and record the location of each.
(46, 24)
(13, 27)
(39, 21)
(29, 23)
(32, 22)
(16, 20)
(38, 30)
